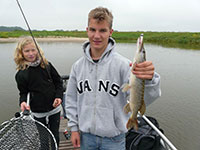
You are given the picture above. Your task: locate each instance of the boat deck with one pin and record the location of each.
(67, 145)
(64, 144)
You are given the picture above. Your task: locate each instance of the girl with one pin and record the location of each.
(38, 76)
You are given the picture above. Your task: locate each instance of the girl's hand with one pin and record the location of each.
(57, 102)
(24, 106)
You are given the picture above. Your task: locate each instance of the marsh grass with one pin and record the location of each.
(186, 40)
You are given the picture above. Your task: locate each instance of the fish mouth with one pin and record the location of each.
(140, 43)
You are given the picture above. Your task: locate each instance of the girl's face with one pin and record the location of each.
(30, 52)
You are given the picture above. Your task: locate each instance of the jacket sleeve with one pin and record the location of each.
(22, 86)
(71, 101)
(57, 82)
(152, 89)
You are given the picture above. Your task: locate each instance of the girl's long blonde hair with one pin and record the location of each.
(19, 59)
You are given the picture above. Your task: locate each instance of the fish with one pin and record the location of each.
(136, 86)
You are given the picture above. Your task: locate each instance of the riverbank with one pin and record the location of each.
(47, 39)
(183, 40)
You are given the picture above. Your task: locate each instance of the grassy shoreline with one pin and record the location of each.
(186, 40)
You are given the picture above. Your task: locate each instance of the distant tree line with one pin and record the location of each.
(4, 28)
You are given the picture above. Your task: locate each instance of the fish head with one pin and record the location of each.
(140, 53)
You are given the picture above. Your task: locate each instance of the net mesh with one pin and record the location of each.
(25, 134)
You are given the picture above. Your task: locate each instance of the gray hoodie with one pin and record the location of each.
(94, 101)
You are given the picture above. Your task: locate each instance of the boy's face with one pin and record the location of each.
(98, 34)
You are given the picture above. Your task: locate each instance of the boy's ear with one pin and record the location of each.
(111, 31)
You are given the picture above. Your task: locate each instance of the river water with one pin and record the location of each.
(177, 110)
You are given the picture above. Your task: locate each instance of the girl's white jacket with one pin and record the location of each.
(94, 99)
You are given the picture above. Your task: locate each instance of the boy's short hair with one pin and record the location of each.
(101, 14)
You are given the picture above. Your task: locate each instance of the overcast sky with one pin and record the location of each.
(129, 15)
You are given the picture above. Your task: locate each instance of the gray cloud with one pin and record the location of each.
(129, 15)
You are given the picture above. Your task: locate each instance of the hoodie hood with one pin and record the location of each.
(108, 50)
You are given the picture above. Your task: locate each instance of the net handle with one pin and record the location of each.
(28, 99)
(27, 112)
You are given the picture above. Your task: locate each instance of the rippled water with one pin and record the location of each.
(177, 110)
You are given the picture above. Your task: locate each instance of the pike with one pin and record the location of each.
(136, 87)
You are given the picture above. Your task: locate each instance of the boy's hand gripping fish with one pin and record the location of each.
(136, 87)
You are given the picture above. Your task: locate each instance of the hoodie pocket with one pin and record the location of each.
(105, 122)
(99, 121)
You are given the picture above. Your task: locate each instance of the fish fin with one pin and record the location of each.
(132, 123)
(142, 108)
(126, 87)
(127, 108)
(135, 125)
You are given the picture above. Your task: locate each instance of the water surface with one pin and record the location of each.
(177, 110)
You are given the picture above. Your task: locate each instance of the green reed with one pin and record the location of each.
(188, 40)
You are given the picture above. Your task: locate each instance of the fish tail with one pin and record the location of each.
(132, 123)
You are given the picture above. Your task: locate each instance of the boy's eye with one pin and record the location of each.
(92, 29)
(103, 30)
